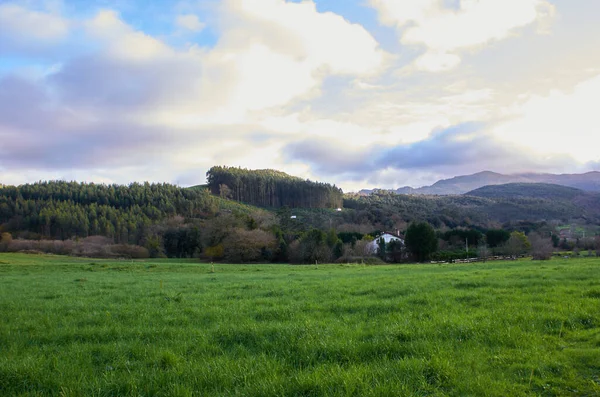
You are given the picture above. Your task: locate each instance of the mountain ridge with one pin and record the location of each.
(588, 181)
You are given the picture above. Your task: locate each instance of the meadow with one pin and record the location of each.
(84, 327)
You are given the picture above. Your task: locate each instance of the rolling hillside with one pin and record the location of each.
(532, 190)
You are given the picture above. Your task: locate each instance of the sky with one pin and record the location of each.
(360, 93)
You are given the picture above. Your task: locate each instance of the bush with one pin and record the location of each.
(5, 240)
(541, 248)
(448, 256)
(94, 247)
(129, 251)
(242, 246)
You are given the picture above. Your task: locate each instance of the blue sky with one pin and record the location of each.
(366, 93)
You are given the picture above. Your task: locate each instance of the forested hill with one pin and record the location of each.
(486, 208)
(537, 190)
(271, 188)
(61, 210)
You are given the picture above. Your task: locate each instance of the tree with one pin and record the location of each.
(242, 246)
(5, 240)
(496, 237)
(421, 240)
(312, 248)
(555, 240)
(381, 250)
(224, 191)
(483, 251)
(517, 244)
(541, 248)
(395, 250)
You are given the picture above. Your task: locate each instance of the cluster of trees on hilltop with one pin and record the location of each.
(271, 188)
(61, 210)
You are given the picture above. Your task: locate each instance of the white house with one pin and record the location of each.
(373, 246)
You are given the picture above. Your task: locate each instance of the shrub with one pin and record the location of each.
(5, 240)
(242, 246)
(129, 251)
(541, 248)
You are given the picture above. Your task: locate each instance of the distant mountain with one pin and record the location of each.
(589, 181)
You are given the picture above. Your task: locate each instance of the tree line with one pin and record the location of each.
(271, 188)
(157, 220)
(62, 210)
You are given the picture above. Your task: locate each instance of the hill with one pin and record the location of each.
(142, 213)
(492, 206)
(533, 190)
(125, 213)
(272, 188)
(465, 183)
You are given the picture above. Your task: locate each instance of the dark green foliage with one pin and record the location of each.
(332, 238)
(350, 237)
(381, 248)
(182, 242)
(396, 251)
(61, 210)
(460, 236)
(312, 248)
(380, 208)
(448, 256)
(271, 188)
(421, 240)
(537, 190)
(496, 237)
(338, 249)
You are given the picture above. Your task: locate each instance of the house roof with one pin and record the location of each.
(396, 235)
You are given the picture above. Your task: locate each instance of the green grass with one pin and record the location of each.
(81, 327)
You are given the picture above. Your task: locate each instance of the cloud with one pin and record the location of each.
(28, 31)
(131, 99)
(123, 42)
(451, 151)
(190, 22)
(557, 122)
(278, 59)
(445, 31)
(282, 84)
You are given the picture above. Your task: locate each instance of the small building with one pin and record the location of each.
(373, 246)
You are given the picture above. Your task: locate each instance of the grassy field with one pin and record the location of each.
(81, 327)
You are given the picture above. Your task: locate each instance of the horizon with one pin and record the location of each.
(378, 94)
(333, 183)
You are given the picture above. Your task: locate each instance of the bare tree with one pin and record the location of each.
(541, 248)
(483, 251)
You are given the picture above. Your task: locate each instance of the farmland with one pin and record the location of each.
(84, 327)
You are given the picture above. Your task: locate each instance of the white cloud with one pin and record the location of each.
(282, 51)
(319, 39)
(190, 22)
(24, 28)
(437, 61)
(133, 87)
(122, 41)
(444, 32)
(560, 123)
